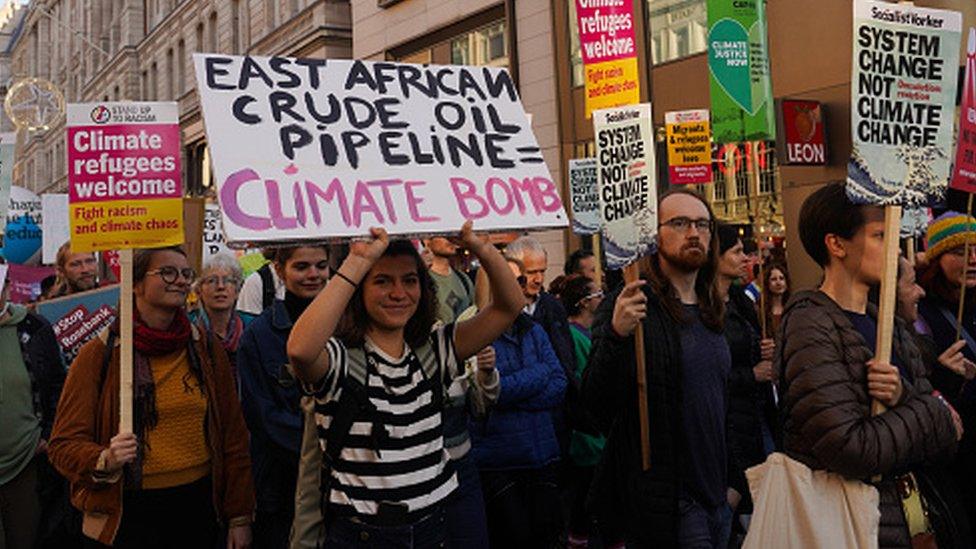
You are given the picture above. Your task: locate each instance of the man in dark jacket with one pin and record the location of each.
(682, 500)
(830, 377)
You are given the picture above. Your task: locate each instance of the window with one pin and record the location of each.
(721, 184)
(682, 45)
(200, 47)
(213, 32)
(678, 28)
(485, 46)
(421, 57)
(741, 183)
(180, 68)
(170, 75)
(153, 82)
(235, 25)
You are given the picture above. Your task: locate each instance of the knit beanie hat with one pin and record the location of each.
(948, 231)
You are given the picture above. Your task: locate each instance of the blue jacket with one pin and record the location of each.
(519, 431)
(270, 400)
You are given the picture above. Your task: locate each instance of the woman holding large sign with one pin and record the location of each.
(379, 377)
(185, 469)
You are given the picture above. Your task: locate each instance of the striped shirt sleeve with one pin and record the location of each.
(325, 389)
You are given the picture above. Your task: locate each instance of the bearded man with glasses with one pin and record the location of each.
(681, 501)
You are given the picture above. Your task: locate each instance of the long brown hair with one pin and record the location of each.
(710, 303)
(355, 320)
(767, 294)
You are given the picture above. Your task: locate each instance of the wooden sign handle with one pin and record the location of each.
(887, 303)
(889, 283)
(632, 273)
(965, 269)
(125, 331)
(598, 276)
(762, 289)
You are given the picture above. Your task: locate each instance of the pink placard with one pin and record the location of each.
(964, 172)
(124, 161)
(690, 175)
(606, 30)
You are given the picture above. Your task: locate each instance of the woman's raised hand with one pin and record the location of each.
(371, 250)
(467, 238)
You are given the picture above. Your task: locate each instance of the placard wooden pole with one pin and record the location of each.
(754, 149)
(125, 355)
(632, 273)
(889, 282)
(762, 288)
(910, 250)
(598, 254)
(965, 268)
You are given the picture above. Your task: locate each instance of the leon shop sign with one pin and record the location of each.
(306, 149)
(802, 129)
(608, 45)
(124, 184)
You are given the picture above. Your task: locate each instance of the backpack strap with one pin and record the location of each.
(267, 286)
(466, 282)
(431, 365)
(353, 401)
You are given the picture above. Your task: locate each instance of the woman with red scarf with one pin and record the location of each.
(218, 287)
(183, 476)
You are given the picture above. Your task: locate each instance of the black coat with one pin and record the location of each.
(750, 402)
(42, 356)
(941, 334)
(641, 505)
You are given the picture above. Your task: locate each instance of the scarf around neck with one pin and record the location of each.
(149, 342)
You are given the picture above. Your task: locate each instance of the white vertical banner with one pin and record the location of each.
(54, 212)
(8, 143)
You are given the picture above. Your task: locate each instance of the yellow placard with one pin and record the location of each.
(688, 143)
(611, 84)
(120, 224)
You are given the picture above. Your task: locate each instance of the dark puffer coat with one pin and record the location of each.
(828, 423)
(750, 402)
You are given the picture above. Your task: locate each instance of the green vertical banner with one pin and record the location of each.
(738, 72)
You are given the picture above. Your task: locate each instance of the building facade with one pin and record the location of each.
(140, 50)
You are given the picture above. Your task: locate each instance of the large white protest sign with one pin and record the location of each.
(54, 211)
(583, 195)
(306, 149)
(627, 180)
(903, 100)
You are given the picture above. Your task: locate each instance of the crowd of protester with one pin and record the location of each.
(379, 394)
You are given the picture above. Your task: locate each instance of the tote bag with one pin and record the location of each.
(795, 507)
